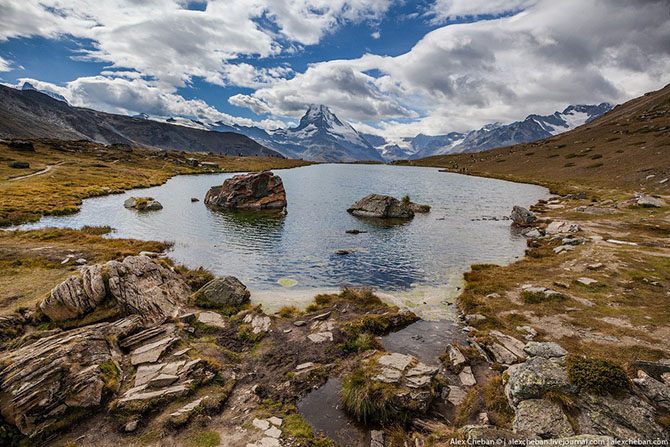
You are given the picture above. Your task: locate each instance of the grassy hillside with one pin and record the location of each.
(619, 151)
(66, 172)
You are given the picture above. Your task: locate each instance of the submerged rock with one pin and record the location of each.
(142, 204)
(19, 164)
(521, 216)
(255, 191)
(385, 207)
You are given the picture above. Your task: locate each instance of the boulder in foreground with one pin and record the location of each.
(254, 191)
(138, 285)
(386, 207)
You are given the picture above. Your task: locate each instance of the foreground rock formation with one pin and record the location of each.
(386, 207)
(255, 191)
(138, 285)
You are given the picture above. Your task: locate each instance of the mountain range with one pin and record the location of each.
(532, 128)
(322, 136)
(29, 113)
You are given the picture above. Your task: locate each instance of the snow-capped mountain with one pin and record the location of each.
(320, 136)
(54, 95)
(533, 128)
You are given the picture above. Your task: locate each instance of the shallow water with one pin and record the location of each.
(268, 251)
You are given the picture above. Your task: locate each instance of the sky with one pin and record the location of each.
(391, 67)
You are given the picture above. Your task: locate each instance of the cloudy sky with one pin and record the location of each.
(392, 67)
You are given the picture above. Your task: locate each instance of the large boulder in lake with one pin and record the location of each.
(254, 191)
(138, 286)
(142, 204)
(382, 207)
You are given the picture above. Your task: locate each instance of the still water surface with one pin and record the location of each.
(267, 251)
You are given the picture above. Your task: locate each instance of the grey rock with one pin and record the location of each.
(212, 319)
(142, 204)
(542, 418)
(376, 438)
(521, 216)
(382, 207)
(259, 323)
(466, 377)
(76, 296)
(536, 377)
(455, 356)
(648, 201)
(657, 392)
(544, 349)
(224, 292)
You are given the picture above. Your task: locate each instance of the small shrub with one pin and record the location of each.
(490, 398)
(406, 199)
(110, 375)
(288, 311)
(359, 343)
(195, 278)
(596, 375)
(364, 297)
(323, 299)
(368, 401)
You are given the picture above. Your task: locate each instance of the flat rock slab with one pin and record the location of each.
(151, 352)
(212, 319)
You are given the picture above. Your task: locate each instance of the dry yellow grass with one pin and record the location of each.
(81, 169)
(626, 315)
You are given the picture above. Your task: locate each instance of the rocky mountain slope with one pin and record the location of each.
(627, 147)
(33, 114)
(533, 128)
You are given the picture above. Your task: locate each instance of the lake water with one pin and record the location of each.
(269, 252)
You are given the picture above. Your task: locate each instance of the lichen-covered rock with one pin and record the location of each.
(521, 216)
(412, 380)
(142, 204)
(622, 417)
(138, 285)
(255, 191)
(43, 381)
(542, 418)
(544, 349)
(657, 392)
(225, 292)
(536, 377)
(381, 207)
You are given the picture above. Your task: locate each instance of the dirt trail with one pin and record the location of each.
(40, 172)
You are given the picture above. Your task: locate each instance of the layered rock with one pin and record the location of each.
(138, 285)
(386, 207)
(46, 380)
(254, 191)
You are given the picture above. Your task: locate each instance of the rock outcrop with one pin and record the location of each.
(225, 292)
(521, 216)
(142, 204)
(255, 191)
(647, 201)
(386, 207)
(44, 381)
(534, 388)
(138, 285)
